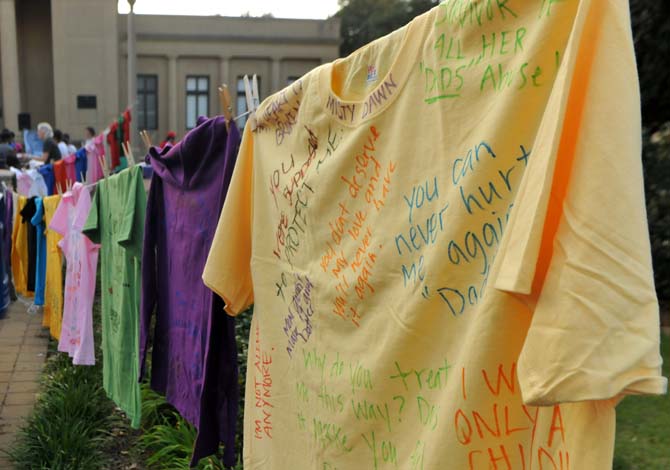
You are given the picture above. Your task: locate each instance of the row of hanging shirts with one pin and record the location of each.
(81, 222)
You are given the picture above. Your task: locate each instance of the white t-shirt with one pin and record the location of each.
(62, 146)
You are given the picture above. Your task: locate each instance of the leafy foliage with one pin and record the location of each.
(642, 438)
(363, 21)
(70, 424)
(651, 30)
(170, 442)
(656, 160)
(242, 331)
(167, 440)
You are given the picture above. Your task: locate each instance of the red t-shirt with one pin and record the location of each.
(60, 175)
(114, 148)
(126, 125)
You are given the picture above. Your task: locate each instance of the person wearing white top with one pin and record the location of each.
(70, 148)
(62, 146)
(89, 135)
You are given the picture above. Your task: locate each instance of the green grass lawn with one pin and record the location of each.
(643, 428)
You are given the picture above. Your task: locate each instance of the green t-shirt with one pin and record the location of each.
(116, 221)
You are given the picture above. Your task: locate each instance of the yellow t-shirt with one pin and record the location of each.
(53, 296)
(444, 236)
(19, 254)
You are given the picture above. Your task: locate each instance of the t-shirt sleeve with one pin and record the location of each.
(92, 227)
(82, 209)
(38, 217)
(64, 244)
(577, 248)
(59, 220)
(131, 229)
(228, 268)
(47, 148)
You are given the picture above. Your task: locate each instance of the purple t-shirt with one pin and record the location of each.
(194, 359)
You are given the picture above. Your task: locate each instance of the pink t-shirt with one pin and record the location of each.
(81, 255)
(23, 183)
(94, 150)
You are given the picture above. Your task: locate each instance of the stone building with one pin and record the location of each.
(65, 62)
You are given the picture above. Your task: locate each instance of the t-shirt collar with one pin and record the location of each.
(352, 113)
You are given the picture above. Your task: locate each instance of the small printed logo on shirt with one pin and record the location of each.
(372, 73)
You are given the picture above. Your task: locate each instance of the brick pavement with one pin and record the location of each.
(23, 349)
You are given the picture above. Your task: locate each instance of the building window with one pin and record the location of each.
(197, 99)
(147, 102)
(242, 98)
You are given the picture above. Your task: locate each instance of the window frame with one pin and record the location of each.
(197, 94)
(145, 125)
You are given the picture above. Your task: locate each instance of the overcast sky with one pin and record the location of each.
(279, 8)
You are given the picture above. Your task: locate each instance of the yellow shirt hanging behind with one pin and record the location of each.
(20, 251)
(53, 296)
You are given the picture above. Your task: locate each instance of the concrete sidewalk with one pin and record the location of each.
(23, 349)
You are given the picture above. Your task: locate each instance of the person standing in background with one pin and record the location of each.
(70, 148)
(62, 146)
(89, 135)
(169, 139)
(9, 138)
(7, 153)
(50, 151)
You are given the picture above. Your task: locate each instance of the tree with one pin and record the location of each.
(656, 161)
(651, 31)
(363, 21)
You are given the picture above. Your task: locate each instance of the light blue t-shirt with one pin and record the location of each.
(41, 252)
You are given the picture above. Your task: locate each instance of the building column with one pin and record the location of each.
(224, 71)
(276, 76)
(11, 90)
(132, 74)
(173, 93)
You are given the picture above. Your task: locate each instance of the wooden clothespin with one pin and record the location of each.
(105, 170)
(255, 96)
(129, 152)
(226, 108)
(59, 189)
(255, 100)
(248, 94)
(254, 92)
(249, 98)
(146, 139)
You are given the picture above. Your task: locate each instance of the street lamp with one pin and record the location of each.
(132, 76)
